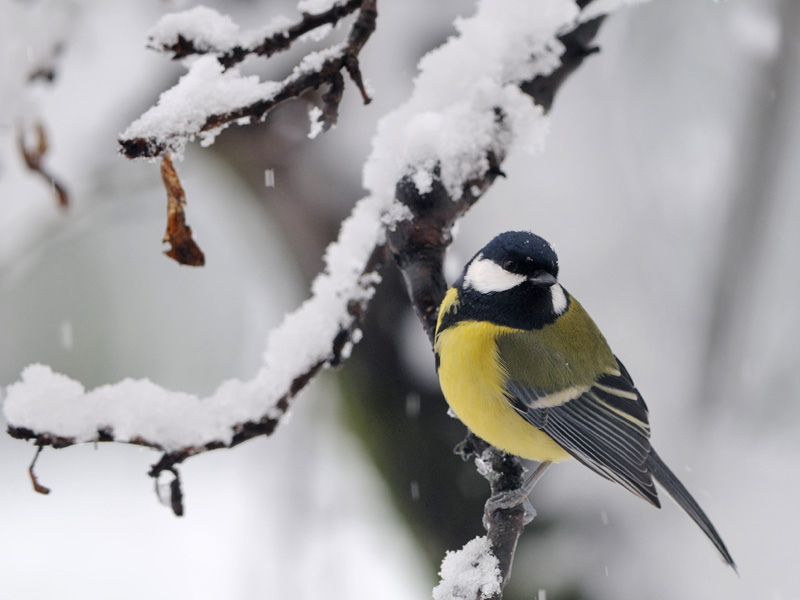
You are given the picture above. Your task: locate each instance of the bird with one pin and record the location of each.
(526, 369)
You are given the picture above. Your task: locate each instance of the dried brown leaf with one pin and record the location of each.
(33, 159)
(178, 235)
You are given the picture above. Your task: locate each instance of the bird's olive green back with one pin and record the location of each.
(569, 352)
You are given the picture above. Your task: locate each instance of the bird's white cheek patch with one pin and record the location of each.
(486, 276)
(559, 298)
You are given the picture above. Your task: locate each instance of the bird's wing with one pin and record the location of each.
(604, 425)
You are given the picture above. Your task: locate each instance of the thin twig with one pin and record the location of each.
(38, 487)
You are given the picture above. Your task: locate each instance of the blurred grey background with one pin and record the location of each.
(668, 186)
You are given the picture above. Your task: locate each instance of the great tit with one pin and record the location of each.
(525, 368)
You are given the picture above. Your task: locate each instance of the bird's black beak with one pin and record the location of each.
(543, 279)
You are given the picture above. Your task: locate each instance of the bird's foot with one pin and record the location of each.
(505, 501)
(512, 498)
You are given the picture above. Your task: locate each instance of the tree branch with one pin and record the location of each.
(157, 131)
(340, 345)
(270, 45)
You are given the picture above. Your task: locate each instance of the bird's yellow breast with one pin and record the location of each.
(472, 382)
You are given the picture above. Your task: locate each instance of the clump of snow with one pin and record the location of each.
(605, 7)
(470, 573)
(466, 101)
(314, 61)
(205, 27)
(317, 124)
(182, 111)
(394, 214)
(314, 7)
(45, 401)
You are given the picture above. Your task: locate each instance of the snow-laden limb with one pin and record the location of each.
(202, 30)
(183, 111)
(467, 104)
(55, 410)
(471, 573)
(213, 94)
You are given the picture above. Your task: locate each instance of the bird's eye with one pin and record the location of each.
(510, 265)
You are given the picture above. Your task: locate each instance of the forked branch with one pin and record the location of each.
(244, 100)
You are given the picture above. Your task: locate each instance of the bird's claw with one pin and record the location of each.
(505, 501)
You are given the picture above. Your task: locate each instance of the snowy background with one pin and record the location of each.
(668, 186)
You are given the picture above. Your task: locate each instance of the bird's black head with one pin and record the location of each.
(513, 281)
(522, 253)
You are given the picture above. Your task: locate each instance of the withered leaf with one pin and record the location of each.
(178, 235)
(33, 159)
(38, 487)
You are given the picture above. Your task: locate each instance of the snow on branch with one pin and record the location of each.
(54, 410)
(203, 30)
(214, 94)
(469, 573)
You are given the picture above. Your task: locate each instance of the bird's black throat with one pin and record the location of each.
(526, 306)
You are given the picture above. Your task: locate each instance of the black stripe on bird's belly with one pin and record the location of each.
(523, 307)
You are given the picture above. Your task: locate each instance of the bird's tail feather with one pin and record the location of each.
(675, 488)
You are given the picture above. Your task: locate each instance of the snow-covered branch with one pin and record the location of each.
(214, 94)
(53, 410)
(204, 31)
